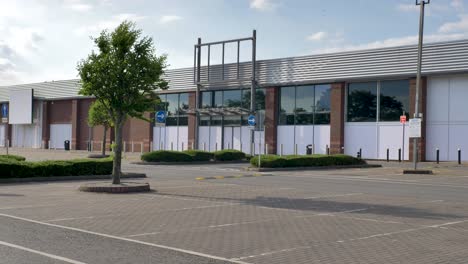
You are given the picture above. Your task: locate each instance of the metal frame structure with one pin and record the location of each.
(197, 74)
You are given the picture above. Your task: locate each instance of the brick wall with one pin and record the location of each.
(271, 119)
(337, 118)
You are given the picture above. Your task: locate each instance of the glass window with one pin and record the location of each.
(304, 118)
(183, 120)
(259, 98)
(218, 99)
(394, 100)
(161, 103)
(322, 98)
(204, 120)
(171, 121)
(362, 102)
(172, 104)
(232, 120)
(216, 121)
(183, 103)
(232, 98)
(287, 100)
(206, 99)
(304, 99)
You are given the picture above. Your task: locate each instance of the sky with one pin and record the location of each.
(43, 40)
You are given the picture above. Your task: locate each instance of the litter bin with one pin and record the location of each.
(309, 149)
(66, 144)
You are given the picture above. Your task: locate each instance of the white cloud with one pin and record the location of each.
(461, 25)
(317, 36)
(169, 18)
(457, 4)
(263, 5)
(392, 42)
(78, 5)
(109, 24)
(407, 7)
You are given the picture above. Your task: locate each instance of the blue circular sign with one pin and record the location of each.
(160, 116)
(4, 110)
(251, 120)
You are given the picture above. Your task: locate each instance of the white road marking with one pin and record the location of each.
(25, 206)
(52, 256)
(332, 196)
(126, 239)
(273, 252)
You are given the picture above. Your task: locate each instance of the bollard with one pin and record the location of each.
(216, 146)
(182, 146)
(437, 155)
(342, 150)
(172, 146)
(327, 150)
(399, 155)
(281, 150)
(295, 149)
(388, 155)
(151, 146)
(229, 145)
(204, 146)
(360, 153)
(459, 156)
(141, 147)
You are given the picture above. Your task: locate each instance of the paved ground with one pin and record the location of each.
(340, 216)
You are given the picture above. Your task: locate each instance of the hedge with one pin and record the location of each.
(24, 169)
(200, 155)
(12, 157)
(166, 156)
(275, 161)
(229, 155)
(192, 155)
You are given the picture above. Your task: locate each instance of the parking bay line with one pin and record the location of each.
(126, 239)
(52, 256)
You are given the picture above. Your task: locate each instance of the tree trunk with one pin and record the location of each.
(104, 138)
(117, 165)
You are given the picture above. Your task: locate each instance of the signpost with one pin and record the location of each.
(4, 113)
(403, 122)
(415, 128)
(252, 121)
(161, 118)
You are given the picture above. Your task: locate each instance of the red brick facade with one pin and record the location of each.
(422, 109)
(337, 117)
(271, 118)
(191, 121)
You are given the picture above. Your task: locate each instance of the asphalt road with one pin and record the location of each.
(340, 216)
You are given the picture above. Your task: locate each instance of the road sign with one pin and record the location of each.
(4, 110)
(414, 128)
(251, 120)
(160, 117)
(403, 119)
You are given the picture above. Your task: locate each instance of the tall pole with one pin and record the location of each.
(253, 83)
(197, 93)
(422, 4)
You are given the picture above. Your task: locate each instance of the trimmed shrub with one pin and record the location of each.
(275, 161)
(166, 156)
(24, 169)
(200, 155)
(229, 155)
(12, 157)
(269, 161)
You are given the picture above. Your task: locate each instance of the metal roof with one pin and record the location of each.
(438, 58)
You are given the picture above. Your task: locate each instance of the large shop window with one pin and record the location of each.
(176, 106)
(305, 105)
(230, 98)
(377, 101)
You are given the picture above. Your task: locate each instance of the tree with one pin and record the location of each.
(98, 115)
(123, 74)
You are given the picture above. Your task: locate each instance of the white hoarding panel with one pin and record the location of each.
(21, 107)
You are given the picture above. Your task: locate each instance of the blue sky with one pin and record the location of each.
(44, 40)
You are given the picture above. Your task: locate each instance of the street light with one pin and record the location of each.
(422, 4)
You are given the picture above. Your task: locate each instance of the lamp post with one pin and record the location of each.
(422, 4)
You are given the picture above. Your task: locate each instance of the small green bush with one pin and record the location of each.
(275, 161)
(166, 156)
(200, 155)
(229, 155)
(12, 157)
(269, 161)
(25, 169)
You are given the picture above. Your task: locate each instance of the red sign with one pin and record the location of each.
(403, 119)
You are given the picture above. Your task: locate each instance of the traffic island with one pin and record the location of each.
(125, 187)
(417, 171)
